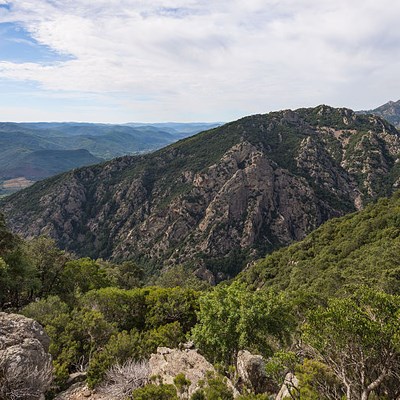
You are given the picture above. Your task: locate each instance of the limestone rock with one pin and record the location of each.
(24, 360)
(251, 371)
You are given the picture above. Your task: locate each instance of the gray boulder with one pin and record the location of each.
(251, 371)
(25, 365)
(80, 391)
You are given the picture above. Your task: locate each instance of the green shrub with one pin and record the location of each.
(155, 392)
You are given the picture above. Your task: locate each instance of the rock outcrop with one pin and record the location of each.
(168, 363)
(80, 391)
(249, 186)
(290, 384)
(25, 365)
(251, 371)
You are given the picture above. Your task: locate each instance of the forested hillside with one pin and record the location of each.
(361, 248)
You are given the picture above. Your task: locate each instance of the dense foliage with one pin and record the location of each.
(110, 325)
(358, 249)
(232, 318)
(358, 338)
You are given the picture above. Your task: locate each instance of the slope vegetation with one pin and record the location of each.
(357, 249)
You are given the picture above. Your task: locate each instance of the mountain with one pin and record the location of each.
(389, 111)
(32, 151)
(103, 140)
(182, 129)
(357, 249)
(40, 164)
(221, 197)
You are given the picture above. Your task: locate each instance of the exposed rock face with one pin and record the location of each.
(25, 365)
(254, 185)
(168, 363)
(251, 371)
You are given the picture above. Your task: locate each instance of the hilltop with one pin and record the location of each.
(389, 111)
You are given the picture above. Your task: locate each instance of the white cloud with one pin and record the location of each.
(217, 60)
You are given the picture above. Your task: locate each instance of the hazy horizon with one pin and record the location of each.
(124, 61)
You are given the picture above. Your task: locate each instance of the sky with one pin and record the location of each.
(193, 60)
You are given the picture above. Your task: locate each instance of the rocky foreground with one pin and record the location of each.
(27, 369)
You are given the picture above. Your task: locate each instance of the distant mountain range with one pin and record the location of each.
(35, 151)
(220, 197)
(390, 111)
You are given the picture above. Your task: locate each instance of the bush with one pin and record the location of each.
(215, 389)
(121, 347)
(155, 392)
(121, 380)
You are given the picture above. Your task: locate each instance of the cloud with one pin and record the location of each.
(218, 60)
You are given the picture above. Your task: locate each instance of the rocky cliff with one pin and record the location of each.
(249, 186)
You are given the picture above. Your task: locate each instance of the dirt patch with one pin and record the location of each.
(16, 183)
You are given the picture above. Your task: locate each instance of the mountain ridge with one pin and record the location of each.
(389, 111)
(23, 144)
(252, 185)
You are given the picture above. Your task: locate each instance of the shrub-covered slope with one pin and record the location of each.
(358, 249)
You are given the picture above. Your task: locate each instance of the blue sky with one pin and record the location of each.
(193, 60)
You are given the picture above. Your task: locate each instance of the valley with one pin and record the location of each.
(34, 151)
(199, 200)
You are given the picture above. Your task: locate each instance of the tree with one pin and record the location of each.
(48, 261)
(80, 276)
(179, 276)
(127, 275)
(168, 305)
(18, 280)
(359, 339)
(125, 308)
(7, 240)
(233, 318)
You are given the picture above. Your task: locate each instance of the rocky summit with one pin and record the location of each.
(389, 111)
(246, 187)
